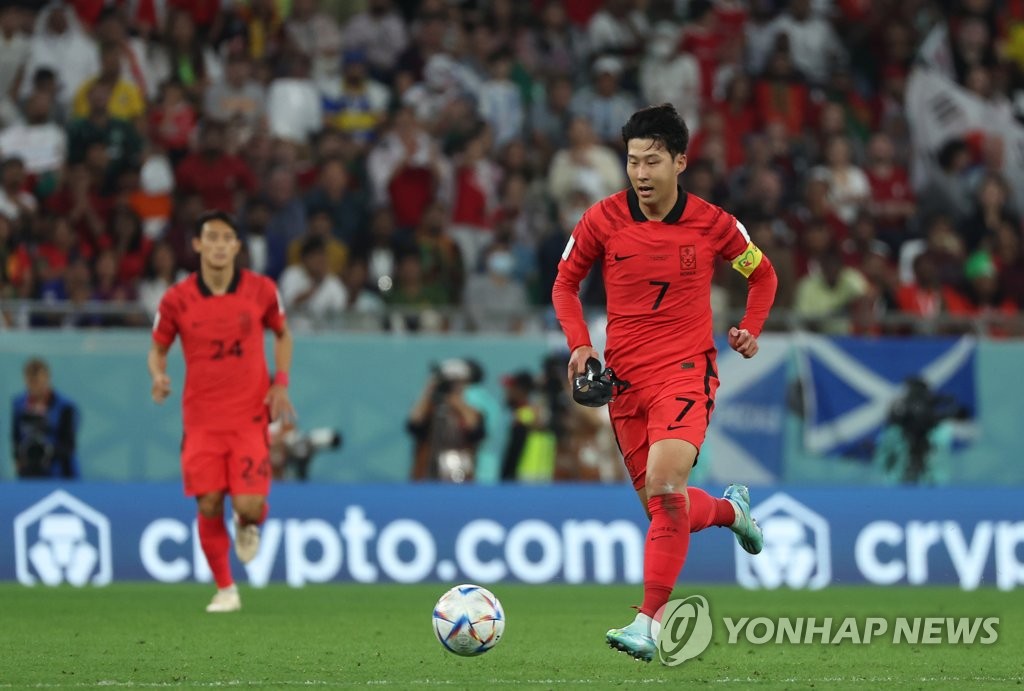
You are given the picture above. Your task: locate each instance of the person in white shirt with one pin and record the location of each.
(617, 28)
(605, 104)
(585, 166)
(40, 143)
(814, 45)
(14, 47)
(494, 299)
(501, 103)
(667, 76)
(362, 299)
(379, 31)
(315, 33)
(161, 273)
(310, 293)
(293, 104)
(445, 81)
(60, 43)
(238, 98)
(848, 186)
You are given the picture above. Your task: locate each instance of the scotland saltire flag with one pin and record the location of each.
(745, 440)
(849, 386)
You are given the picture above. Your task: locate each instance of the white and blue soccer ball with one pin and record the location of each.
(468, 620)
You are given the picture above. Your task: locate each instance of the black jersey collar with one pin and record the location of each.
(204, 289)
(673, 216)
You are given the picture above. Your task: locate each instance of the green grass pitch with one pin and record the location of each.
(352, 636)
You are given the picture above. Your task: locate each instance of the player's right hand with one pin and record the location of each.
(578, 360)
(161, 388)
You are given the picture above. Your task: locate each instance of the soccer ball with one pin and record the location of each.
(468, 620)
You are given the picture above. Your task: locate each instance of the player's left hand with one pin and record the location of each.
(743, 342)
(280, 406)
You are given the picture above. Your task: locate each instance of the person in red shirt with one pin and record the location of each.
(892, 196)
(657, 247)
(216, 175)
(172, 121)
(204, 12)
(220, 313)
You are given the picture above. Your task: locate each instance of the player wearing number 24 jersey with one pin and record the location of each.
(220, 313)
(657, 247)
(226, 379)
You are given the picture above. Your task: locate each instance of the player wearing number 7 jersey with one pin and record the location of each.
(657, 247)
(220, 313)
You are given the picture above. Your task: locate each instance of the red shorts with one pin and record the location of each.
(233, 461)
(677, 408)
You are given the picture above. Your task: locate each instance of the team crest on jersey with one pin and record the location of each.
(687, 259)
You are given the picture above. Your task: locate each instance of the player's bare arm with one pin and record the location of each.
(277, 400)
(157, 362)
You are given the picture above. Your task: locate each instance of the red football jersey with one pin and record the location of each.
(226, 377)
(657, 277)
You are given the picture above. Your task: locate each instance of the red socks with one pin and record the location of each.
(706, 511)
(216, 543)
(668, 539)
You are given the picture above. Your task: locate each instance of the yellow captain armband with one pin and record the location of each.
(749, 259)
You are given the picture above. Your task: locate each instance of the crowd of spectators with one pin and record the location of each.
(391, 160)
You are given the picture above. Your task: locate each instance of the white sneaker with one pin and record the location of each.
(247, 540)
(226, 600)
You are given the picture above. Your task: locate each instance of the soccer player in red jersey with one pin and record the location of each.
(657, 247)
(220, 313)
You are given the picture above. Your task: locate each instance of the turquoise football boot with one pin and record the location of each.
(634, 640)
(748, 532)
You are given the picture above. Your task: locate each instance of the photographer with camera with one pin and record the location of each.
(44, 426)
(909, 442)
(447, 430)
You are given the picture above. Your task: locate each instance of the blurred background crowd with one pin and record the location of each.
(419, 164)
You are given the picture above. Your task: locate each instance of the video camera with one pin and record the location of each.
(300, 447)
(916, 414)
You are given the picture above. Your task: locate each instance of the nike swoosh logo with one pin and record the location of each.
(620, 258)
(672, 427)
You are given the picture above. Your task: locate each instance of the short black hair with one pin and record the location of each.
(43, 75)
(950, 150)
(660, 123)
(216, 215)
(11, 162)
(312, 245)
